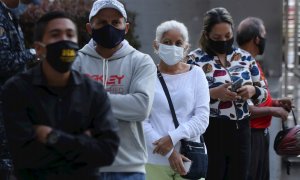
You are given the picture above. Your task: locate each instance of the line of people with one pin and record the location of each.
(62, 125)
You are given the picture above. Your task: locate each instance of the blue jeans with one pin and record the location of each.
(122, 176)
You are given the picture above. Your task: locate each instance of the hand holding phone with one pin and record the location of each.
(236, 85)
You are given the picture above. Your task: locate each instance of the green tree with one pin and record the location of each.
(78, 10)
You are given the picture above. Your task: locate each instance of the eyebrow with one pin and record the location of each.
(60, 30)
(110, 19)
(228, 33)
(169, 39)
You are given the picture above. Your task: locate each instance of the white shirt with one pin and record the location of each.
(190, 96)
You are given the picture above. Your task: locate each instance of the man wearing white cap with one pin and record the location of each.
(128, 76)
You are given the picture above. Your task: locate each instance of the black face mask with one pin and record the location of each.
(261, 45)
(220, 47)
(60, 55)
(108, 36)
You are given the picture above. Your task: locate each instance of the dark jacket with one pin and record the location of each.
(5, 158)
(82, 105)
(13, 57)
(13, 54)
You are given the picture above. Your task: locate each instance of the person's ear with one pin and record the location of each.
(205, 34)
(88, 27)
(127, 25)
(155, 46)
(187, 47)
(39, 48)
(256, 40)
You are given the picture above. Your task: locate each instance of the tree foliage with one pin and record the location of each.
(78, 10)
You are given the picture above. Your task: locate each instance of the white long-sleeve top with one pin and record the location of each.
(190, 96)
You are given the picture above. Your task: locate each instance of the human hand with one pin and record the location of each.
(246, 92)
(279, 112)
(163, 145)
(176, 162)
(285, 102)
(223, 93)
(42, 132)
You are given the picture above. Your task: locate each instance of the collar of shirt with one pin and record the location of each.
(38, 77)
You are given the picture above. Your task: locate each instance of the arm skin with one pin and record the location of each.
(257, 112)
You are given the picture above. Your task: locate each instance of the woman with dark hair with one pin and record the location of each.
(233, 78)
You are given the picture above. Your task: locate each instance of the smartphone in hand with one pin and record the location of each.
(236, 85)
(187, 165)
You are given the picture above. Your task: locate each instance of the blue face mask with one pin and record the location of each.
(108, 36)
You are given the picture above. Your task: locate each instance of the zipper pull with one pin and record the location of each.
(237, 125)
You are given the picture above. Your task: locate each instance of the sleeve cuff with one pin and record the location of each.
(169, 153)
(177, 134)
(250, 103)
(257, 93)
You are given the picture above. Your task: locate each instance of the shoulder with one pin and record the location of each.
(87, 53)
(141, 57)
(26, 76)
(240, 54)
(140, 60)
(198, 72)
(197, 52)
(198, 56)
(17, 83)
(241, 51)
(197, 69)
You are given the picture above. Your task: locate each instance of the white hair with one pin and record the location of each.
(171, 25)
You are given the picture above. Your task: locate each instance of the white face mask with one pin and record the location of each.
(171, 55)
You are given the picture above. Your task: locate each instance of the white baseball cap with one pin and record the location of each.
(101, 4)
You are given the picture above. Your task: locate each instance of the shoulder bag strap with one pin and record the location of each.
(164, 86)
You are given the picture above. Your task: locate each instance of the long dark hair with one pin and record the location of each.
(211, 18)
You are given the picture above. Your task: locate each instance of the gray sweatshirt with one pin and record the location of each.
(129, 78)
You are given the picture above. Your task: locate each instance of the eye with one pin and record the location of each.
(100, 23)
(216, 38)
(71, 34)
(179, 43)
(167, 42)
(55, 34)
(116, 23)
(228, 36)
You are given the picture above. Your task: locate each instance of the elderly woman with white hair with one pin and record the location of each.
(188, 89)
